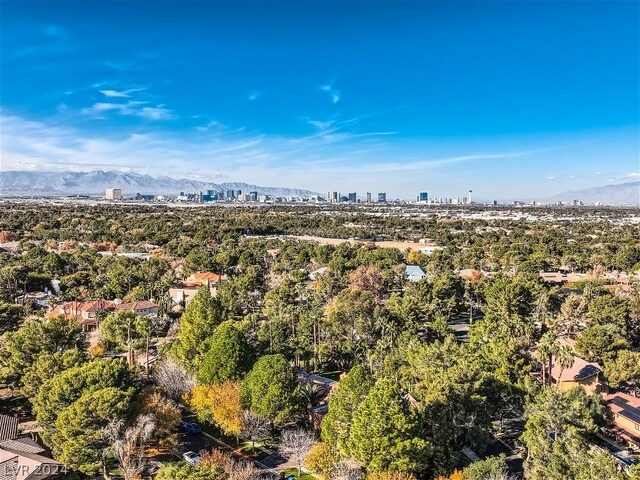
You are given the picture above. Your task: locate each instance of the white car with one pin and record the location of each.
(192, 458)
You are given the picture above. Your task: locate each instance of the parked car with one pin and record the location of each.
(192, 428)
(192, 458)
(629, 462)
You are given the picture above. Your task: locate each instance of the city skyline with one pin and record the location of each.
(521, 98)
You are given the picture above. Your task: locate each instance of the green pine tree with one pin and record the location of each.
(270, 388)
(228, 358)
(198, 322)
(343, 402)
(385, 433)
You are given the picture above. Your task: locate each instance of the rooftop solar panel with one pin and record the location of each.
(633, 414)
(620, 402)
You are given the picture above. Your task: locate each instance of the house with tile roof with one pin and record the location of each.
(89, 314)
(22, 458)
(183, 293)
(8, 427)
(142, 308)
(624, 415)
(587, 375)
(205, 279)
(581, 373)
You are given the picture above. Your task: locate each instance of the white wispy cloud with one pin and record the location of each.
(137, 108)
(321, 125)
(155, 113)
(105, 107)
(633, 175)
(551, 178)
(113, 93)
(253, 95)
(120, 93)
(334, 94)
(213, 124)
(338, 154)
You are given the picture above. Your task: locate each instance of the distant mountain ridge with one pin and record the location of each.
(627, 193)
(95, 183)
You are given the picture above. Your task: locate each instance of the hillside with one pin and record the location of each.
(95, 183)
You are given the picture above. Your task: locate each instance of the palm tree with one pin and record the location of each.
(565, 359)
(547, 347)
(311, 393)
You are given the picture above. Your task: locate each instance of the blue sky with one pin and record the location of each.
(511, 99)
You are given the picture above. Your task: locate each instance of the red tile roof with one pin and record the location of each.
(202, 277)
(141, 305)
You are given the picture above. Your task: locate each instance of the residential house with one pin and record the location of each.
(183, 293)
(562, 277)
(90, 314)
(22, 458)
(142, 308)
(323, 387)
(38, 298)
(414, 273)
(625, 416)
(581, 374)
(206, 279)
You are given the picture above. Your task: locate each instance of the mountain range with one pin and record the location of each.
(95, 183)
(627, 193)
(20, 183)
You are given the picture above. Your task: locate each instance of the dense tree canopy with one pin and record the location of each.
(385, 432)
(270, 389)
(228, 358)
(22, 347)
(414, 394)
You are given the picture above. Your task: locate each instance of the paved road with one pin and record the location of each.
(203, 441)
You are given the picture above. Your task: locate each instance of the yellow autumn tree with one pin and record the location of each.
(219, 404)
(387, 475)
(167, 416)
(321, 460)
(456, 475)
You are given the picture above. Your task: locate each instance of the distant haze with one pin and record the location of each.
(92, 183)
(95, 183)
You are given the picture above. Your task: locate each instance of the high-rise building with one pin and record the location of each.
(113, 194)
(352, 197)
(368, 197)
(382, 197)
(423, 197)
(469, 198)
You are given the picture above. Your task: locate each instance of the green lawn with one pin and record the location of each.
(256, 453)
(335, 375)
(294, 472)
(242, 445)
